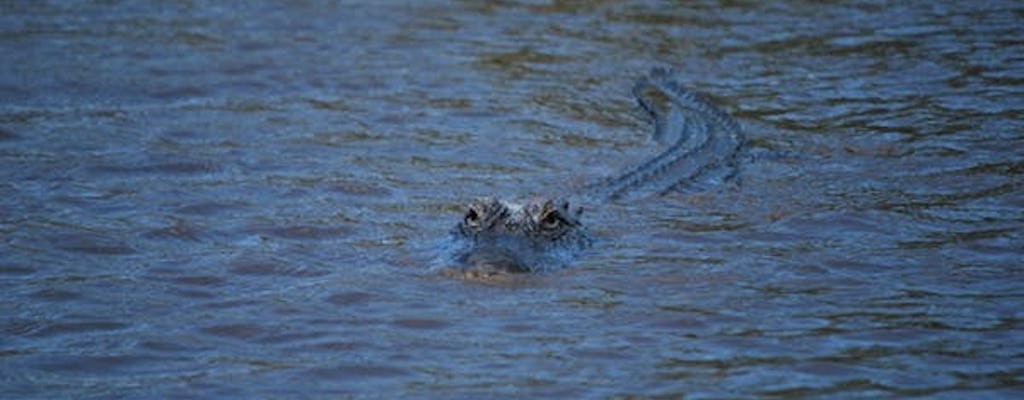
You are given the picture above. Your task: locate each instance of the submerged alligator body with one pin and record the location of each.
(498, 236)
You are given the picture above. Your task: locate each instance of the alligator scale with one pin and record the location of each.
(499, 236)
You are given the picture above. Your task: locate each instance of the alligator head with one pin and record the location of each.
(537, 235)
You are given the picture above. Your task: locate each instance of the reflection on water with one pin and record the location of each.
(203, 200)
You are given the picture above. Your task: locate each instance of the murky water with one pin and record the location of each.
(239, 200)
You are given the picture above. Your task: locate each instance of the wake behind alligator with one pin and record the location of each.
(498, 236)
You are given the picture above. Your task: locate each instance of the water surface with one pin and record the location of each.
(242, 200)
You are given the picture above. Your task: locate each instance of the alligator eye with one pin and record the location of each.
(472, 217)
(551, 220)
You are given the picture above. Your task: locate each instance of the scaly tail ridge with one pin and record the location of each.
(703, 141)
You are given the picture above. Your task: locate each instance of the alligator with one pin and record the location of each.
(541, 234)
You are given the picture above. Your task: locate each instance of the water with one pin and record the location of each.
(241, 200)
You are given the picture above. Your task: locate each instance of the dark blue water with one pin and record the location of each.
(243, 200)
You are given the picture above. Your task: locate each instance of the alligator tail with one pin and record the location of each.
(702, 142)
